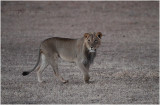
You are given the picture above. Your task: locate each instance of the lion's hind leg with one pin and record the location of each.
(43, 64)
(54, 63)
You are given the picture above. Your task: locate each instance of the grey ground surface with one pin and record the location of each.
(125, 69)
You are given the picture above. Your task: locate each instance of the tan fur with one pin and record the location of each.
(72, 50)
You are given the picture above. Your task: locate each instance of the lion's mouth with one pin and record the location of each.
(92, 50)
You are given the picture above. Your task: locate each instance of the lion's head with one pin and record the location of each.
(92, 40)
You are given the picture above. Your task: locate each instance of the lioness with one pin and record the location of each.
(82, 51)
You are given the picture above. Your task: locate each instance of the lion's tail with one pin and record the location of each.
(28, 72)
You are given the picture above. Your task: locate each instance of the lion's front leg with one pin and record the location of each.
(85, 71)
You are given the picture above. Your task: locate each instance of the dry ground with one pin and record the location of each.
(126, 66)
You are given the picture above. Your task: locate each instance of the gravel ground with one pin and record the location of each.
(125, 71)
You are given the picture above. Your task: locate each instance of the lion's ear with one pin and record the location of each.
(99, 35)
(86, 35)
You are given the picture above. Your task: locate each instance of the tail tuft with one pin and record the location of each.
(25, 73)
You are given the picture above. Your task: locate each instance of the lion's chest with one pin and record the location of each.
(89, 58)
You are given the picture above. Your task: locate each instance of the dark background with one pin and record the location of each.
(126, 67)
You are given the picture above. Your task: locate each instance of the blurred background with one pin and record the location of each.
(126, 69)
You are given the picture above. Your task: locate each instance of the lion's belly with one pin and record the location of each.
(68, 57)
